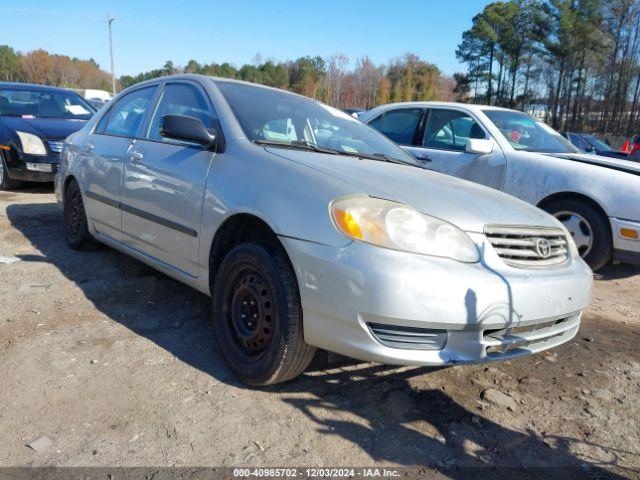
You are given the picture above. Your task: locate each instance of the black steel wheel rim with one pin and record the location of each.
(250, 312)
(75, 213)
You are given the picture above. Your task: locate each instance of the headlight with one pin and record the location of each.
(31, 144)
(397, 226)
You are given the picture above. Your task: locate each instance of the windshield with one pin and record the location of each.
(38, 103)
(597, 143)
(525, 133)
(275, 117)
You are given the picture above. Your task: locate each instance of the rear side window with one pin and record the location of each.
(399, 125)
(180, 99)
(377, 122)
(450, 130)
(127, 115)
(579, 142)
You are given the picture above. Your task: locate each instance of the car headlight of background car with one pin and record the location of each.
(397, 226)
(32, 144)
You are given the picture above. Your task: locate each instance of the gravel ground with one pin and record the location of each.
(116, 365)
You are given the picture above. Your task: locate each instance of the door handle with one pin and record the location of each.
(135, 156)
(423, 158)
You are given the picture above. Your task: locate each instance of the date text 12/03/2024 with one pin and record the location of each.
(316, 472)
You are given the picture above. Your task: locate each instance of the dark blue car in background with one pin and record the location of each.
(34, 121)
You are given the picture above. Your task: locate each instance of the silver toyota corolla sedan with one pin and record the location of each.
(310, 229)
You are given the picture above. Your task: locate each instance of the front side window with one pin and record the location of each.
(36, 103)
(525, 133)
(126, 116)
(450, 130)
(180, 99)
(400, 125)
(270, 116)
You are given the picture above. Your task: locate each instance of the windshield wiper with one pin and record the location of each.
(300, 144)
(306, 145)
(381, 157)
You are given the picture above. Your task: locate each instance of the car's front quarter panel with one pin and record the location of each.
(292, 199)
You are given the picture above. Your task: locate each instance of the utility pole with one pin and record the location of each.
(110, 19)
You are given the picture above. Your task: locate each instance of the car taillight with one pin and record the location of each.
(626, 146)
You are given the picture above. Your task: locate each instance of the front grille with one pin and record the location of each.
(528, 246)
(55, 145)
(409, 337)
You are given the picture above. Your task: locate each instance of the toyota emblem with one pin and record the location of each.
(543, 247)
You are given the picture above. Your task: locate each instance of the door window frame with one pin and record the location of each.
(449, 109)
(104, 120)
(148, 118)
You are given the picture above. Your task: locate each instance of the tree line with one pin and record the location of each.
(407, 78)
(575, 62)
(331, 80)
(39, 66)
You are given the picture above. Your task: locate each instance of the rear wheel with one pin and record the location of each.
(76, 231)
(258, 315)
(588, 228)
(5, 182)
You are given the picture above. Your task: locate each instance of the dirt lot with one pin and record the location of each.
(117, 365)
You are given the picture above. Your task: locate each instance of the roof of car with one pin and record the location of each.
(197, 76)
(32, 86)
(468, 106)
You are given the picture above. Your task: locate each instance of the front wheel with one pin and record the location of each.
(258, 315)
(5, 182)
(588, 228)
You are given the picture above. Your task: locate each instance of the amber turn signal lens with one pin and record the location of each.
(348, 224)
(629, 233)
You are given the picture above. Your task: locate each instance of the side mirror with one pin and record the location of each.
(188, 129)
(479, 146)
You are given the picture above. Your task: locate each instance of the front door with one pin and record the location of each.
(442, 148)
(164, 184)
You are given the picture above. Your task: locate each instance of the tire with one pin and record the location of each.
(76, 231)
(588, 227)
(262, 342)
(5, 182)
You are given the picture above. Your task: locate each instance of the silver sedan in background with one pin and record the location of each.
(596, 198)
(309, 230)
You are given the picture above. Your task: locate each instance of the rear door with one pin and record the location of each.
(165, 181)
(441, 147)
(105, 152)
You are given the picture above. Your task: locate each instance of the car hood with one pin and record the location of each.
(49, 128)
(628, 166)
(467, 205)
